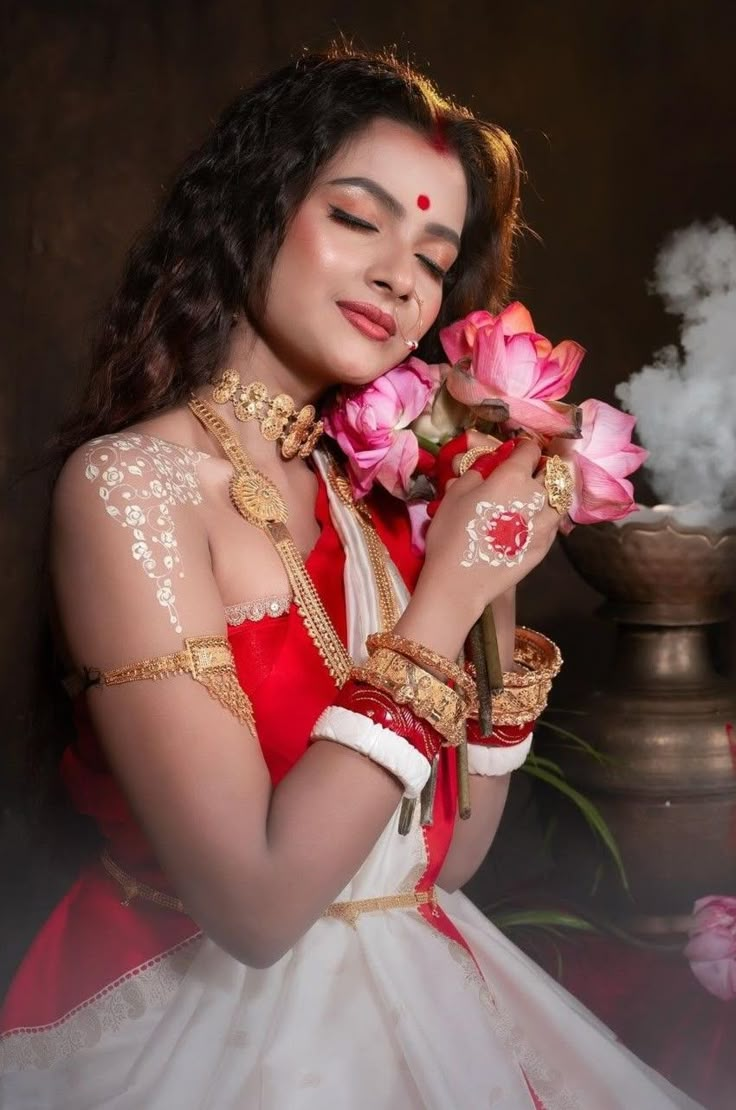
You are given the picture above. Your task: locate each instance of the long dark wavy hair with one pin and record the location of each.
(209, 252)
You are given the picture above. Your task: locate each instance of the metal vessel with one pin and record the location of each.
(664, 714)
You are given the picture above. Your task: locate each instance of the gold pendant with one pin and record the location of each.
(257, 499)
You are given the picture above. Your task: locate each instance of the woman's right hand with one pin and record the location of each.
(472, 587)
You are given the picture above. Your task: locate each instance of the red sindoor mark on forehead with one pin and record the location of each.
(423, 202)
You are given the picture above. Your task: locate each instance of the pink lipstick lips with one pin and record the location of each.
(368, 319)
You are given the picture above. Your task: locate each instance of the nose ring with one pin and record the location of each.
(412, 344)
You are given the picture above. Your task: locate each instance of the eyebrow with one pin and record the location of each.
(392, 205)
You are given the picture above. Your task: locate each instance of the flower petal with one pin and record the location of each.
(395, 471)
(515, 318)
(558, 370)
(458, 339)
(419, 520)
(547, 418)
(598, 496)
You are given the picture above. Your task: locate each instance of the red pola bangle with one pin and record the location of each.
(380, 708)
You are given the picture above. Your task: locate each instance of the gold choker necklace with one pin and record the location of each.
(295, 432)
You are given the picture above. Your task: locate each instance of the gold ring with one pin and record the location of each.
(559, 483)
(471, 456)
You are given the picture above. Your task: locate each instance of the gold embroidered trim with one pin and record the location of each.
(260, 503)
(108, 1011)
(257, 610)
(208, 659)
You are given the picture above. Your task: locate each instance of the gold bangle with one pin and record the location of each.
(524, 694)
(424, 693)
(427, 659)
(536, 653)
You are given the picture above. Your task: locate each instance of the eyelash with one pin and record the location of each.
(342, 217)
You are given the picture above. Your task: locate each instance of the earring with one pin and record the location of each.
(412, 344)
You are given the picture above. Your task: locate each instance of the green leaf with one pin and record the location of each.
(577, 742)
(543, 761)
(590, 812)
(552, 920)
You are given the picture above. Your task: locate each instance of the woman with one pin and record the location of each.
(258, 932)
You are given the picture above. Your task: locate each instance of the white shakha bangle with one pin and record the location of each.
(381, 745)
(486, 760)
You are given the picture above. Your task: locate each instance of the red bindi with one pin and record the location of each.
(423, 202)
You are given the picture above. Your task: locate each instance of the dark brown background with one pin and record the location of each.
(624, 113)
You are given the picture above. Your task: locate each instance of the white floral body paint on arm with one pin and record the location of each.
(140, 479)
(501, 534)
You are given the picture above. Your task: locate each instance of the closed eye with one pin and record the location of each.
(433, 268)
(342, 217)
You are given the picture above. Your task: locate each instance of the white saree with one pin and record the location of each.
(387, 1013)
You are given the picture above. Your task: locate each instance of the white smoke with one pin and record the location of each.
(685, 402)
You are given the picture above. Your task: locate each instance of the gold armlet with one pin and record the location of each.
(424, 693)
(208, 659)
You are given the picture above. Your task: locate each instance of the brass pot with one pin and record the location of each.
(668, 789)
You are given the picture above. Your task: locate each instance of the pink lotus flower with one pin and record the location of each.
(503, 359)
(601, 459)
(712, 946)
(371, 425)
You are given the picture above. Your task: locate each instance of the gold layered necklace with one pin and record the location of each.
(259, 502)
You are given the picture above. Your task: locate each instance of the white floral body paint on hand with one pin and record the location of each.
(500, 534)
(141, 478)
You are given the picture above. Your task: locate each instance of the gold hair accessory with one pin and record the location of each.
(412, 344)
(208, 659)
(424, 693)
(559, 483)
(296, 432)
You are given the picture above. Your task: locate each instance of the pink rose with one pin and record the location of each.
(601, 459)
(512, 364)
(371, 425)
(712, 946)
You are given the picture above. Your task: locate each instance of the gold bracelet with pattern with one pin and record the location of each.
(208, 659)
(409, 684)
(525, 692)
(429, 660)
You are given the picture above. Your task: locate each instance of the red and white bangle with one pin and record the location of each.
(503, 751)
(370, 722)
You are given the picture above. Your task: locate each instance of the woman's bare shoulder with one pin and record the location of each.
(133, 464)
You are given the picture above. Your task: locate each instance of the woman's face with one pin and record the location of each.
(379, 228)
